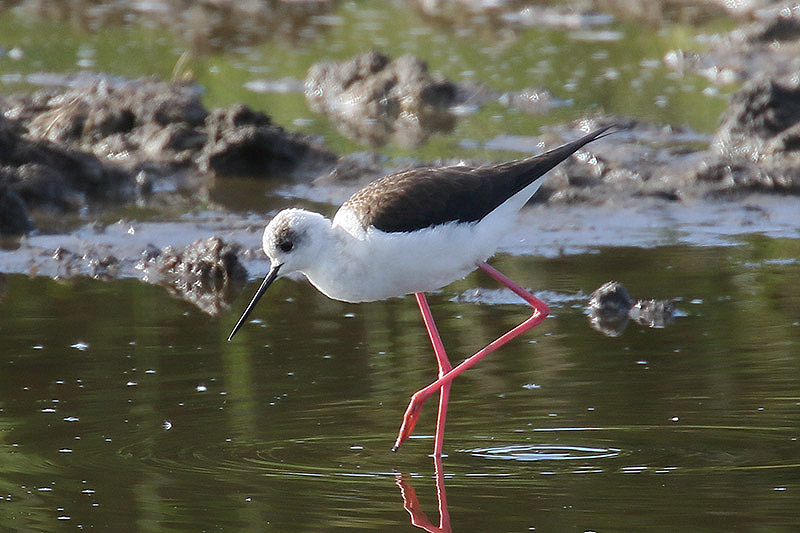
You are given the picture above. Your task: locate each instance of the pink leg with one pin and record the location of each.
(444, 367)
(540, 311)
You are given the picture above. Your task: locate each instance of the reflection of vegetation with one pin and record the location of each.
(320, 388)
(18, 462)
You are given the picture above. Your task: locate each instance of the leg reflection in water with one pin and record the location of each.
(411, 502)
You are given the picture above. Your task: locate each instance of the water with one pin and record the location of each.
(123, 406)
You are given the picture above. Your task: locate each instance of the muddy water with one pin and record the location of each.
(123, 407)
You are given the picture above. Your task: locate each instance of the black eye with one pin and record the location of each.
(286, 246)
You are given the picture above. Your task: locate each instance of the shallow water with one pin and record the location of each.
(123, 406)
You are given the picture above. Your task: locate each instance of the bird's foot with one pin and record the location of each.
(409, 420)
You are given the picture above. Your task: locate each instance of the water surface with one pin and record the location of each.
(123, 406)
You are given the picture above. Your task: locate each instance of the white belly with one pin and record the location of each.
(381, 265)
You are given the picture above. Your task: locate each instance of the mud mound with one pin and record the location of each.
(611, 308)
(373, 99)
(119, 140)
(205, 273)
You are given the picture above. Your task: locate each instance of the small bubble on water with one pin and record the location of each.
(166, 425)
(201, 388)
(80, 345)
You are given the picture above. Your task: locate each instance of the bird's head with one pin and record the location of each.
(294, 238)
(293, 241)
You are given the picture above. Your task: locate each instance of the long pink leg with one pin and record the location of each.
(540, 311)
(444, 367)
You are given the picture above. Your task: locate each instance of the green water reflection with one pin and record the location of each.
(121, 406)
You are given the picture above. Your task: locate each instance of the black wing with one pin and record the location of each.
(423, 197)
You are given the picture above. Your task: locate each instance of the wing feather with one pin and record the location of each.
(423, 197)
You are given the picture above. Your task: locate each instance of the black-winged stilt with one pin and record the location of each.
(411, 232)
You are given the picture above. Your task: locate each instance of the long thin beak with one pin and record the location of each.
(271, 276)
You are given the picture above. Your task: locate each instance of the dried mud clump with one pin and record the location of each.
(240, 141)
(164, 127)
(758, 142)
(374, 99)
(610, 308)
(13, 213)
(37, 173)
(120, 140)
(204, 273)
(762, 120)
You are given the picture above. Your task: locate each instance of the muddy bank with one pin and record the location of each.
(145, 141)
(149, 141)
(111, 140)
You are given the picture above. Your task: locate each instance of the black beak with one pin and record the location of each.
(271, 276)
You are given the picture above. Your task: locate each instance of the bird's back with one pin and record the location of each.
(424, 197)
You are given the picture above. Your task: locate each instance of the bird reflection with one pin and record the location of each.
(411, 502)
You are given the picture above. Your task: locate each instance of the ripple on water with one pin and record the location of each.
(332, 458)
(625, 450)
(543, 452)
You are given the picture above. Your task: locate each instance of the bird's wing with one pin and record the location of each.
(424, 197)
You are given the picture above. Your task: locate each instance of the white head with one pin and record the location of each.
(293, 241)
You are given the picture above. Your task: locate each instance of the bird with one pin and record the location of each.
(412, 232)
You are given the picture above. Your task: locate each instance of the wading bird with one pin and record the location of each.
(412, 232)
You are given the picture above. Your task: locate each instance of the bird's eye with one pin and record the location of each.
(286, 246)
